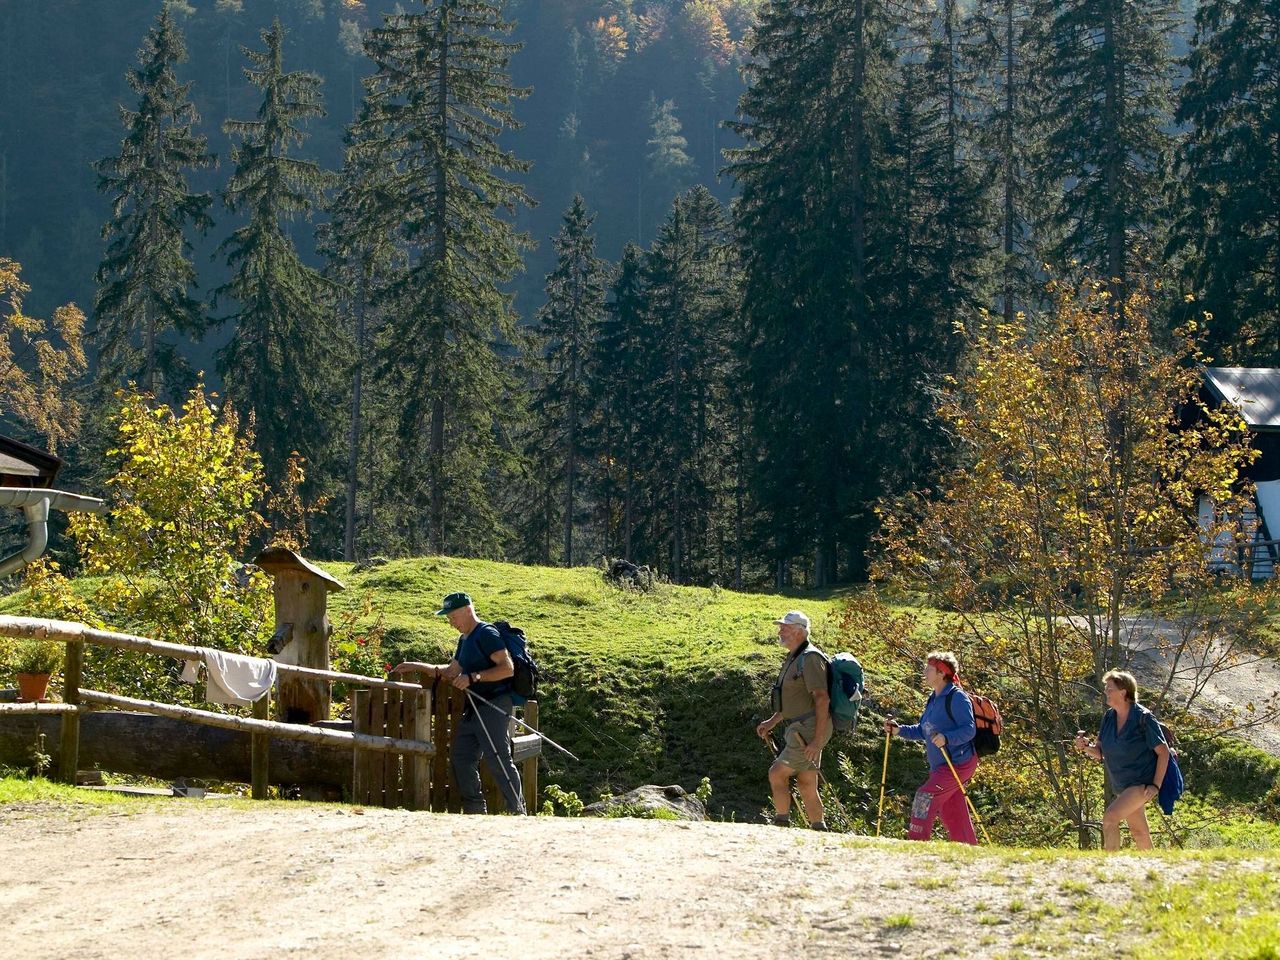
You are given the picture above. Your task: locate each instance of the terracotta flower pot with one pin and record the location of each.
(32, 687)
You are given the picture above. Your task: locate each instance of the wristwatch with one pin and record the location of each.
(475, 678)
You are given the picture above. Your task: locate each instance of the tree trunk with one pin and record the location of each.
(353, 457)
(440, 255)
(1008, 162)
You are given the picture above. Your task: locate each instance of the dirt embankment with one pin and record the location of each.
(203, 879)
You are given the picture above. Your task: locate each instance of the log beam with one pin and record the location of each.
(287, 731)
(37, 628)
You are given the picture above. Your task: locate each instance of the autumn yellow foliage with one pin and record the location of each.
(1083, 451)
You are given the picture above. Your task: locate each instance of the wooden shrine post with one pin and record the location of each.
(302, 632)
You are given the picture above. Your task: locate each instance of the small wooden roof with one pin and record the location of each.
(22, 465)
(277, 559)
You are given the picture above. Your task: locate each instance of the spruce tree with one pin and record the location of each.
(1000, 52)
(363, 260)
(1227, 214)
(1108, 70)
(568, 324)
(668, 166)
(433, 112)
(146, 275)
(618, 380)
(279, 364)
(690, 290)
(811, 217)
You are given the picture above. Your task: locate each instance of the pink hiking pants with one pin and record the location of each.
(940, 796)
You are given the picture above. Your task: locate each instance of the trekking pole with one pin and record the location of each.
(960, 783)
(884, 775)
(536, 733)
(493, 746)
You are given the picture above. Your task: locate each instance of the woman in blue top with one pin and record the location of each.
(1132, 745)
(947, 722)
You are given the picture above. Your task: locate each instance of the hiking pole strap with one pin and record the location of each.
(536, 733)
(964, 793)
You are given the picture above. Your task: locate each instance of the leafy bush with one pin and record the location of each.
(166, 559)
(38, 656)
(567, 801)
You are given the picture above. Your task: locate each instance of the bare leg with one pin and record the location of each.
(807, 783)
(780, 786)
(1140, 830)
(1130, 802)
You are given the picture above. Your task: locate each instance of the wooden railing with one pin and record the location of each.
(418, 747)
(394, 758)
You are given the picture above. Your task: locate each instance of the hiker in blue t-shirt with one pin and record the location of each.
(482, 665)
(1132, 745)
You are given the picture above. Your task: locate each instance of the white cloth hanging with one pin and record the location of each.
(233, 679)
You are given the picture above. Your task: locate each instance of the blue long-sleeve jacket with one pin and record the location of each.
(959, 731)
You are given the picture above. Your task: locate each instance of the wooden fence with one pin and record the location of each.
(390, 780)
(395, 761)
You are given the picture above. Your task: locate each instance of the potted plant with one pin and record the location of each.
(35, 662)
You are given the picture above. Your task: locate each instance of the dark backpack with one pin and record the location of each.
(987, 720)
(524, 685)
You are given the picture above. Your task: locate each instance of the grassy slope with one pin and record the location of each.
(659, 687)
(666, 687)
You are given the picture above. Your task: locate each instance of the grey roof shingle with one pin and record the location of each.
(1254, 391)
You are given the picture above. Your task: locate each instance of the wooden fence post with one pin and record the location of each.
(529, 773)
(259, 748)
(69, 747)
(419, 766)
(360, 758)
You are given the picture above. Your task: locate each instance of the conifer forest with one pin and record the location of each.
(563, 280)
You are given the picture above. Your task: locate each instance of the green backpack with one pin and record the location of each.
(845, 684)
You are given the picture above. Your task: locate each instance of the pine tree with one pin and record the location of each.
(690, 287)
(279, 365)
(811, 216)
(617, 376)
(146, 275)
(1108, 70)
(1228, 207)
(568, 323)
(433, 113)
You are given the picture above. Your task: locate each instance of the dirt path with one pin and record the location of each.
(205, 879)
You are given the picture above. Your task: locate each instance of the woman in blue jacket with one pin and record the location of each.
(947, 722)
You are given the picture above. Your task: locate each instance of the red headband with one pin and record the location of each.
(942, 667)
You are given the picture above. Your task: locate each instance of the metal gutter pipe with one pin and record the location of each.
(36, 504)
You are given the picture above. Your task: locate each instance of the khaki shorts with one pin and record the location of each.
(797, 735)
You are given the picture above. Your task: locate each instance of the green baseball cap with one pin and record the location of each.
(454, 601)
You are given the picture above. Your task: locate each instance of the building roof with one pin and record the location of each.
(1254, 391)
(22, 465)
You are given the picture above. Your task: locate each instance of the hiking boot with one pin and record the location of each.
(820, 825)
(781, 820)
